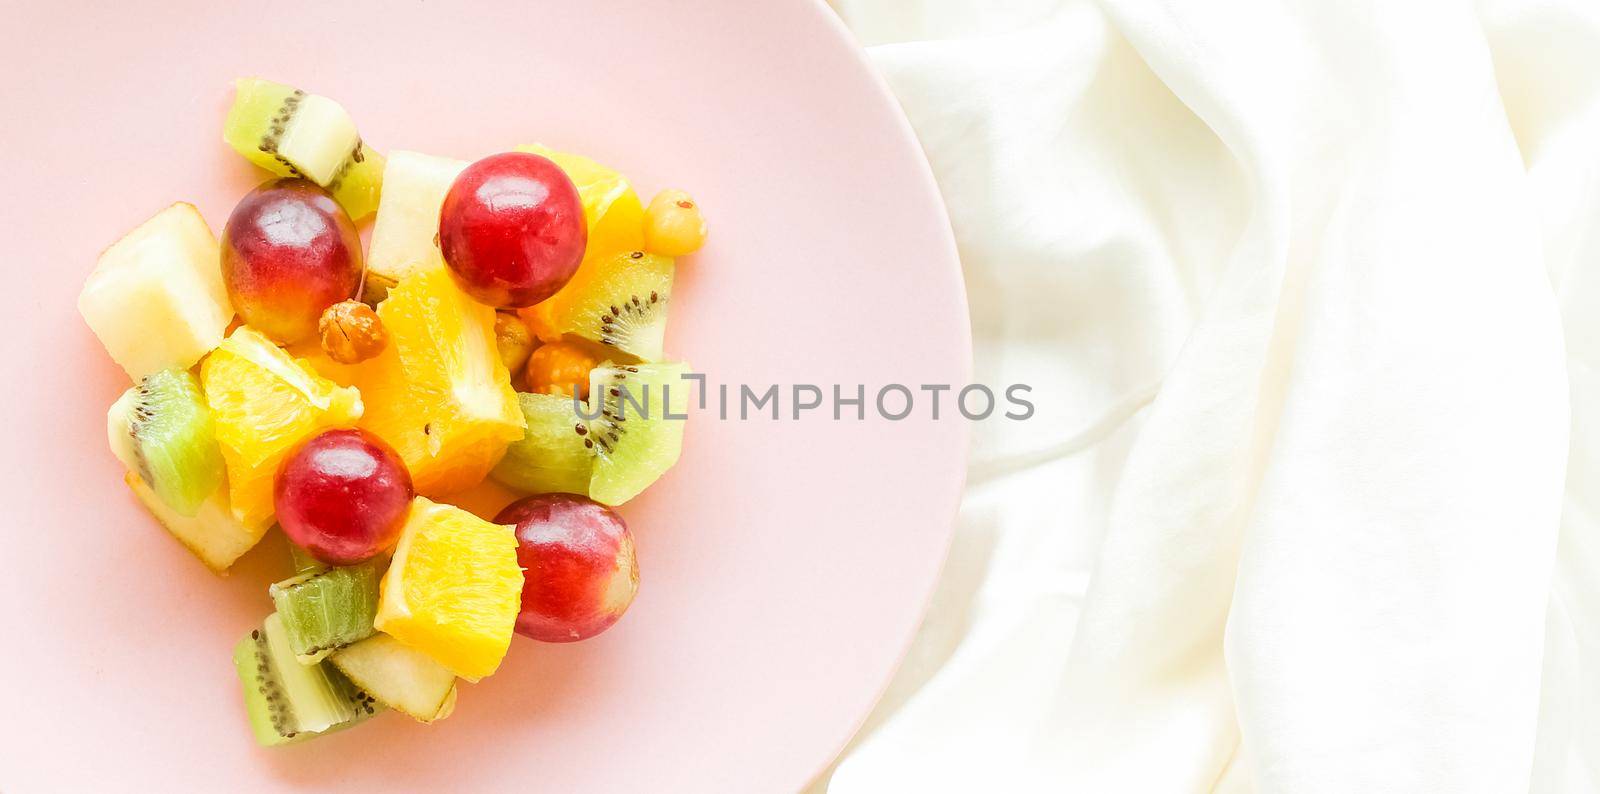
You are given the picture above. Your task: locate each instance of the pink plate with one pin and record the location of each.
(785, 563)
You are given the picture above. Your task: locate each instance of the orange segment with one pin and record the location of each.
(439, 393)
(265, 403)
(453, 589)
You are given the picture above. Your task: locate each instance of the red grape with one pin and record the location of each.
(343, 496)
(288, 253)
(579, 568)
(512, 229)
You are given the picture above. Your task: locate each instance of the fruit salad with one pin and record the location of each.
(504, 323)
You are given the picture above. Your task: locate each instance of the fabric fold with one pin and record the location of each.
(1351, 266)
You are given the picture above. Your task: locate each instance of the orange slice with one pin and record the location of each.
(453, 589)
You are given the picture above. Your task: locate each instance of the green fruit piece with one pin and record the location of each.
(301, 560)
(635, 436)
(258, 107)
(634, 439)
(399, 676)
(618, 301)
(287, 701)
(163, 432)
(359, 182)
(292, 133)
(551, 457)
(323, 611)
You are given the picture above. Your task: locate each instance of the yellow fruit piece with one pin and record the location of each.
(414, 187)
(265, 403)
(453, 589)
(610, 206)
(310, 351)
(673, 225)
(156, 299)
(213, 533)
(439, 393)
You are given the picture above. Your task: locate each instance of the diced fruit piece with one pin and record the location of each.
(288, 131)
(156, 299)
(323, 611)
(343, 496)
(213, 533)
(359, 183)
(635, 438)
(449, 706)
(580, 572)
(619, 302)
(512, 229)
(611, 208)
(292, 133)
(439, 393)
(288, 701)
(452, 589)
(288, 253)
(673, 225)
(560, 368)
(551, 456)
(403, 238)
(163, 431)
(265, 403)
(351, 332)
(301, 560)
(513, 339)
(402, 678)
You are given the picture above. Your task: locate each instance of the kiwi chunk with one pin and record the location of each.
(290, 702)
(301, 560)
(400, 677)
(634, 440)
(551, 457)
(292, 133)
(635, 436)
(359, 182)
(162, 431)
(325, 610)
(618, 301)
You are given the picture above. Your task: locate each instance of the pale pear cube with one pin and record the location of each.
(402, 678)
(156, 298)
(414, 187)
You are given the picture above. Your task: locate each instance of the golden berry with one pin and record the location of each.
(558, 368)
(673, 225)
(351, 332)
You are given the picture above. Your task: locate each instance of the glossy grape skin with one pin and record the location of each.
(512, 230)
(580, 571)
(288, 253)
(343, 496)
